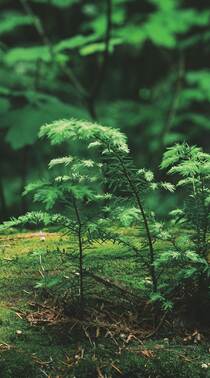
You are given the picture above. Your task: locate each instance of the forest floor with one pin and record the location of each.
(42, 332)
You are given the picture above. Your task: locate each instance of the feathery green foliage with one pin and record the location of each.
(192, 169)
(75, 186)
(128, 185)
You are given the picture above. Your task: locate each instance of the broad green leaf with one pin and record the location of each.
(30, 54)
(24, 123)
(99, 47)
(11, 20)
(74, 42)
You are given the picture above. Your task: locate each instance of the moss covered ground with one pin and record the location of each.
(38, 278)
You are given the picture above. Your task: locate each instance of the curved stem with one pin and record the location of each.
(146, 224)
(80, 242)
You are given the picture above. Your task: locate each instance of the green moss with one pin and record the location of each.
(15, 364)
(87, 368)
(19, 271)
(163, 365)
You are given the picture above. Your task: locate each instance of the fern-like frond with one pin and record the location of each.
(66, 161)
(84, 131)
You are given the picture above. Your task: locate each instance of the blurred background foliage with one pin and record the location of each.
(142, 66)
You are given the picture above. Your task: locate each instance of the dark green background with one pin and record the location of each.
(142, 66)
